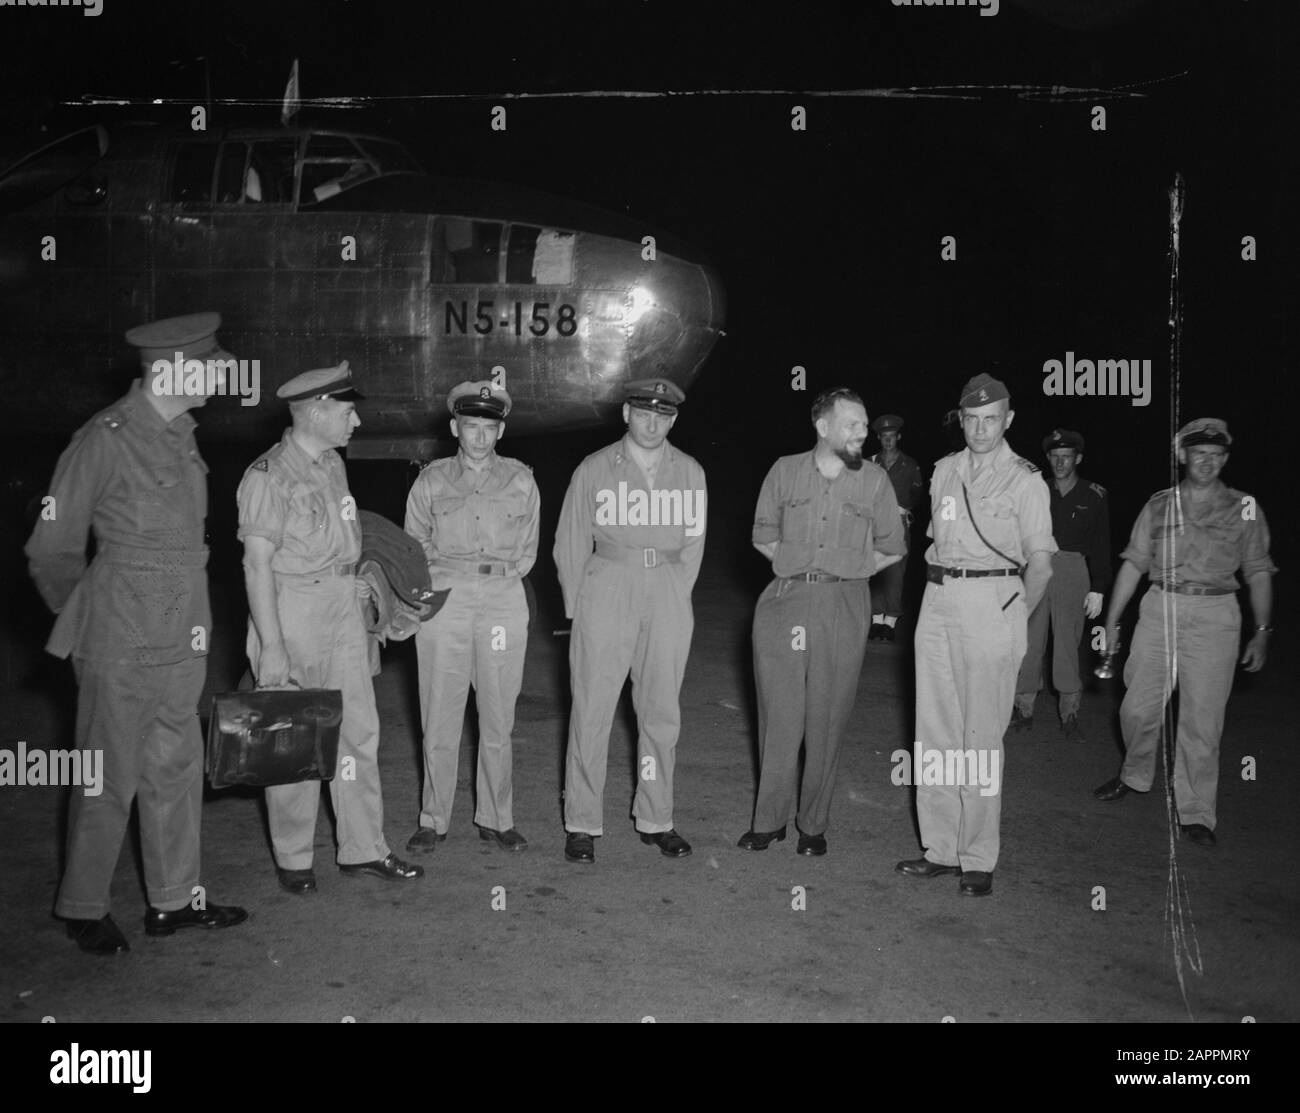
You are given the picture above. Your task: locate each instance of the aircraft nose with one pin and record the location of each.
(681, 321)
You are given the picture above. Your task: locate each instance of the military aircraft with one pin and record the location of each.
(322, 245)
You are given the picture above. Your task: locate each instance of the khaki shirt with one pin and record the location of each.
(1175, 544)
(139, 485)
(1011, 505)
(302, 506)
(487, 515)
(604, 486)
(827, 525)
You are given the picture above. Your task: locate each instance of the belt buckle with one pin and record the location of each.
(650, 558)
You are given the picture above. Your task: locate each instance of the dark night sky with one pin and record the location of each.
(828, 241)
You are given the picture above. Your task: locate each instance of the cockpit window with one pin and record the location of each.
(539, 255)
(256, 173)
(466, 251)
(469, 251)
(392, 157)
(192, 172)
(333, 163)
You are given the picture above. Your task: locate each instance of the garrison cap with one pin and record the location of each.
(983, 389)
(194, 336)
(482, 399)
(324, 382)
(660, 395)
(887, 423)
(1204, 430)
(1063, 438)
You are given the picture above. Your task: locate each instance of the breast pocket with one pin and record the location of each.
(450, 523)
(1222, 548)
(161, 499)
(855, 527)
(796, 520)
(307, 514)
(510, 510)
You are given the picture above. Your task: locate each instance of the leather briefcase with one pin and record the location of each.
(274, 736)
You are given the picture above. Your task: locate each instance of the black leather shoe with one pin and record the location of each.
(506, 840)
(296, 881)
(670, 843)
(975, 883)
(1113, 789)
(157, 922)
(1198, 833)
(579, 847)
(923, 867)
(424, 841)
(876, 633)
(98, 937)
(391, 868)
(812, 846)
(760, 840)
(887, 633)
(1020, 723)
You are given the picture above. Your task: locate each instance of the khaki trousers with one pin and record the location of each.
(1200, 636)
(970, 640)
(145, 720)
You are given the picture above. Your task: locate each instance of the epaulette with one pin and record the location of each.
(1098, 490)
(1029, 467)
(262, 465)
(114, 418)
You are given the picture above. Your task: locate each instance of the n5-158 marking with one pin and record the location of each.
(538, 323)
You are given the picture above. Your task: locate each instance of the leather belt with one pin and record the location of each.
(936, 573)
(647, 558)
(115, 552)
(816, 578)
(1193, 589)
(348, 569)
(485, 568)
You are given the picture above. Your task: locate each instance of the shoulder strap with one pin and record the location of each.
(965, 494)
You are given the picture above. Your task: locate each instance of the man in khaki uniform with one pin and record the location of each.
(989, 518)
(302, 539)
(827, 520)
(1191, 540)
(137, 625)
(476, 515)
(640, 504)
